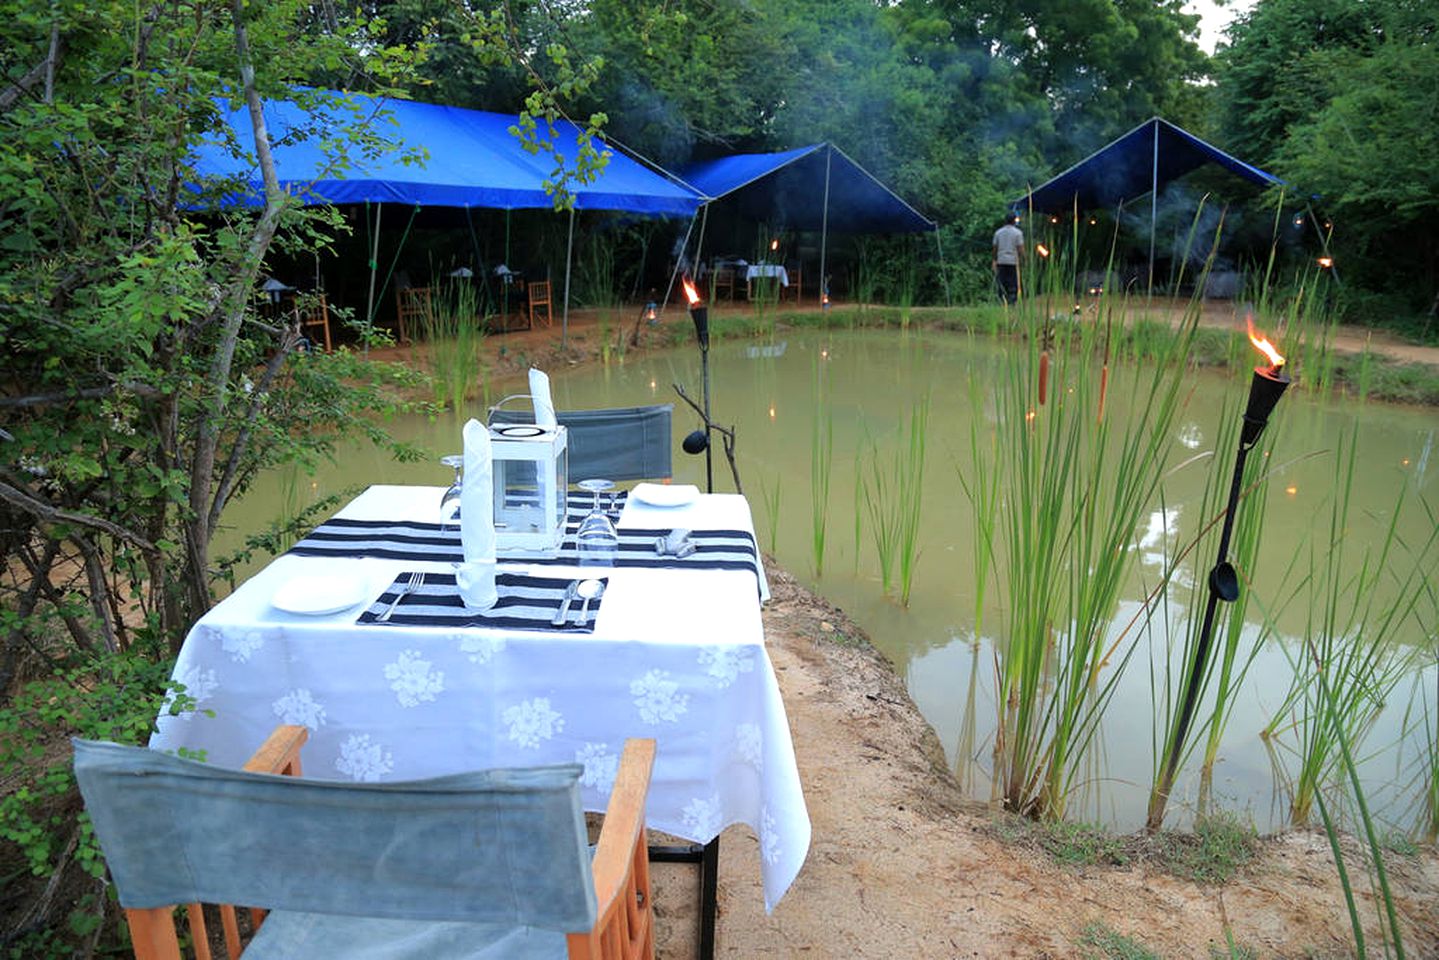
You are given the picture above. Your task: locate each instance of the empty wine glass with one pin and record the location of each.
(597, 487)
(450, 502)
(596, 539)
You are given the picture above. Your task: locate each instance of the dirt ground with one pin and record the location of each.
(902, 866)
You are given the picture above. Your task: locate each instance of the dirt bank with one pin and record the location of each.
(902, 866)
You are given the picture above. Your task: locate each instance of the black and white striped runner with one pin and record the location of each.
(417, 541)
(525, 603)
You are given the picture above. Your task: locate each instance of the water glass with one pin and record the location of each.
(597, 541)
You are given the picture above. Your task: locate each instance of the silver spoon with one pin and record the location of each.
(571, 592)
(589, 590)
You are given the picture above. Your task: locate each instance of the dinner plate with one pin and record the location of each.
(665, 494)
(318, 595)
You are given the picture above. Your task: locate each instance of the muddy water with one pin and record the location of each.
(767, 390)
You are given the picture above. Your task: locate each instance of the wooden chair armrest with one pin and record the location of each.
(624, 926)
(280, 753)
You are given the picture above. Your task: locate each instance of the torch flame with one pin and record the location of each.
(1326, 262)
(1041, 249)
(774, 244)
(1262, 344)
(691, 294)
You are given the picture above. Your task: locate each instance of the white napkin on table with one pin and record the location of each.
(476, 576)
(540, 396)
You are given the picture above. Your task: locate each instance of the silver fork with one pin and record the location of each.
(417, 578)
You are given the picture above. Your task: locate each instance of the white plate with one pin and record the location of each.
(318, 595)
(665, 494)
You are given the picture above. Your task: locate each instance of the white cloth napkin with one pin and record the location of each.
(541, 398)
(476, 576)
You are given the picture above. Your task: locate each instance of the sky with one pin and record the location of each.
(1214, 17)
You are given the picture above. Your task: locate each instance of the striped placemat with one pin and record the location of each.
(416, 541)
(525, 603)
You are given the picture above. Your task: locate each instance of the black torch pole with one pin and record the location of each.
(701, 316)
(1265, 389)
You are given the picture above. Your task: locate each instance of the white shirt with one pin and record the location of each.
(1008, 240)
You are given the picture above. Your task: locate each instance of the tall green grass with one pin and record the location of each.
(1064, 492)
(455, 333)
(821, 462)
(892, 493)
(1356, 604)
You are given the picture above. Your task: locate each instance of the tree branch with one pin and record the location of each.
(727, 433)
(45, 513)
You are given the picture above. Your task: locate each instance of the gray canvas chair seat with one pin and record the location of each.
(487, 864)
(613, 443)
(308, 936)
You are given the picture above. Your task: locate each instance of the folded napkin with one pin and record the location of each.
(477, 500)
(477, 517)
(542, 399)
(523, 603)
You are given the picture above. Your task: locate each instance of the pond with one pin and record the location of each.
(767, 390)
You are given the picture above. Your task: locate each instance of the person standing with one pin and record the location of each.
(1008, 241)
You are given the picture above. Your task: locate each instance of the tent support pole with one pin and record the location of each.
(824, 228)
(505, 280)
(700, 243)
(374, 267)
(565, 311)
(684, 248)
(1153, 207)
(943, 274)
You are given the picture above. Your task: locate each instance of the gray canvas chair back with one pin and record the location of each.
(615, 443)
(504, 847)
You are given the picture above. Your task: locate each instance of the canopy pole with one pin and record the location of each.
(505, 280)
(684, 248)
(943, 274)
(700, 243)
(824, 229)
(374, 267)
(565, 311)
(1153, 207)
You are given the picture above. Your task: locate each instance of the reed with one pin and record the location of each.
(1332, 710)
(454, 336)
(771, 494)
(911, 496)
(1075, 485)
(1356, 606)
(821, 462)
(981, 488)
(880, 504)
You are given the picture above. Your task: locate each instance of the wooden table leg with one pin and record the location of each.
(707, 856)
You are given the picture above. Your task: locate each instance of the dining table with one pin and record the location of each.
(671, 646)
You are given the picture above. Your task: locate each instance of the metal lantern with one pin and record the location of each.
(531, 477)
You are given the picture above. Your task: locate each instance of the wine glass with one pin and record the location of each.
(597, 487)
(596, 539)
(450, 502)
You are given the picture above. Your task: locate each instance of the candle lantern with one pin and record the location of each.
(531, 478)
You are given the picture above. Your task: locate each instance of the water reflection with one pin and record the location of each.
(875, 378)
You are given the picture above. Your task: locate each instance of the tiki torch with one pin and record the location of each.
(1265, 389)
(700, 439)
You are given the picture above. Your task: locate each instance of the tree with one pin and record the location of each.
(1369, 156)
(1271, 74)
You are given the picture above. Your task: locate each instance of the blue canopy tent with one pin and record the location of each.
(470, 159)
(817, 188)
(1140, 162)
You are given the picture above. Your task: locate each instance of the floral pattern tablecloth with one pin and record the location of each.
(676, 654)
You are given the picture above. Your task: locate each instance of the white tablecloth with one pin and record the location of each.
(767, 270)
(677, 655)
